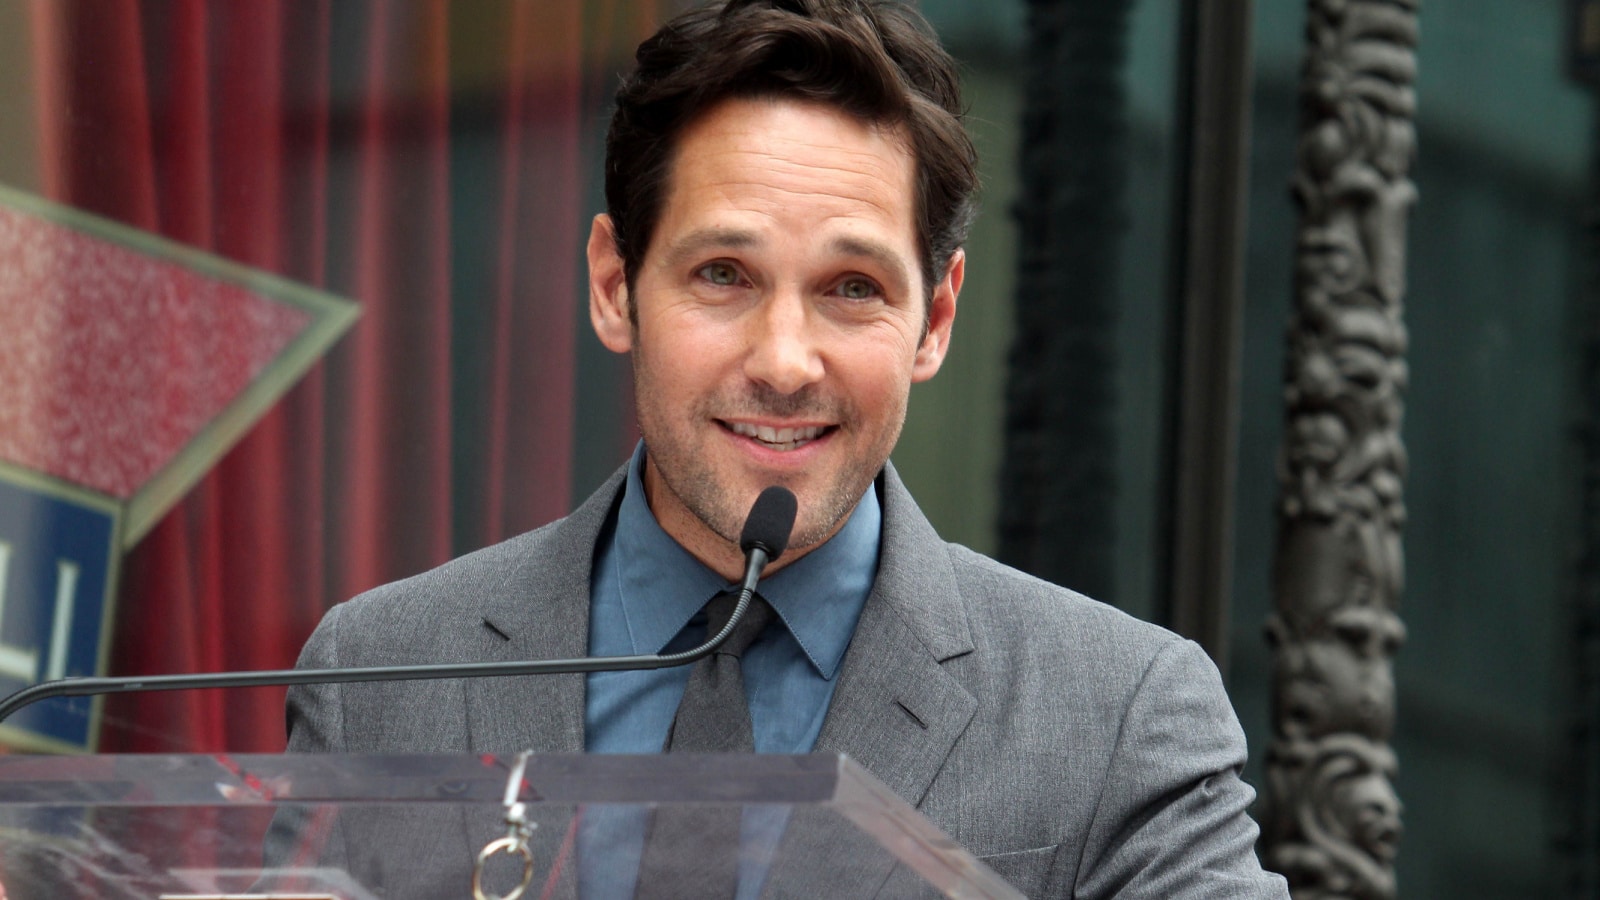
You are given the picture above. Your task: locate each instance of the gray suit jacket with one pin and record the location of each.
(1078, 751)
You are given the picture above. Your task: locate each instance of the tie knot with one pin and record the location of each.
(720, 608)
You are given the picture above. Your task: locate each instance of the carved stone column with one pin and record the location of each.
(1332, 818)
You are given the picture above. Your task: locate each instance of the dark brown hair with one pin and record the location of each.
(877, 60)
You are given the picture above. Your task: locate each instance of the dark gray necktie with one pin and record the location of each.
(714, 714)
(693, 851)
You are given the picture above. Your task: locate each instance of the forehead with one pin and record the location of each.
(755, 164)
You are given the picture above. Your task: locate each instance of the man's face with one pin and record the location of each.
(780, 310)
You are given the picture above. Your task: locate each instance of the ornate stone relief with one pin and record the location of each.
(1332, 818)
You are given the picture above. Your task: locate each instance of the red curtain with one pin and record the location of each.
(320, 140)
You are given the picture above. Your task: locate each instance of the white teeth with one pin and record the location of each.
(779, 438)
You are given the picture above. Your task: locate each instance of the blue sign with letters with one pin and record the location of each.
(57, 558)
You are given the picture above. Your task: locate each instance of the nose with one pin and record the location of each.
(784, 351)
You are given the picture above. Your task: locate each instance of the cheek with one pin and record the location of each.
(680, 362)
(689, 332)
(896, 340)
(878, 383)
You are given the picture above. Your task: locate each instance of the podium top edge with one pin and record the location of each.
(275, 779)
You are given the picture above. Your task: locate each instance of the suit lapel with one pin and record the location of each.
(896, 710)
(541, 612)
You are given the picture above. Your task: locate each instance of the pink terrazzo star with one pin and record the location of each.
(111, 360)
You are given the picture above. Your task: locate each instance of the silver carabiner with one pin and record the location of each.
(515, 843)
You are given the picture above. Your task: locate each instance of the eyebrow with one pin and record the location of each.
(878, 252)
(701, 239)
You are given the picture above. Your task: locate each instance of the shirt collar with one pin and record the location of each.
(818, 596)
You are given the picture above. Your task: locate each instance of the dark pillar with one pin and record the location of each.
(1056, 478)
(1332, 818)
(1208, 312)
(1580, 791)
(1580, 843)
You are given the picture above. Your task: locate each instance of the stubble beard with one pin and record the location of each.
(697, 485)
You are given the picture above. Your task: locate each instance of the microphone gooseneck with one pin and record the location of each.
(765, 537)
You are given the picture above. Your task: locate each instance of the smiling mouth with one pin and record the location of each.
(782, 439)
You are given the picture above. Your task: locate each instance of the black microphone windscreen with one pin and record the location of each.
(770, 521)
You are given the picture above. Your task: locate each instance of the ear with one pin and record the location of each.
(608, 288)
(941, 315)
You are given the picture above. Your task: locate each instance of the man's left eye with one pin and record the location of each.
(857, 289)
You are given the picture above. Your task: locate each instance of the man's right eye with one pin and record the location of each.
(720, 274)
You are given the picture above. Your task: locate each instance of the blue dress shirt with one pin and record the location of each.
(647, 595)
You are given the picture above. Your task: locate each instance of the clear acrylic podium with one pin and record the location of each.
(388, 827)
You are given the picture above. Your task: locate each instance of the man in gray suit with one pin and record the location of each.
(789, 185)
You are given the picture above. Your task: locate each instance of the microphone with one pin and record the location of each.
(764, 538)
(767, 527)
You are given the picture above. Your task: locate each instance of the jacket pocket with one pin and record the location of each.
(1025, 870)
